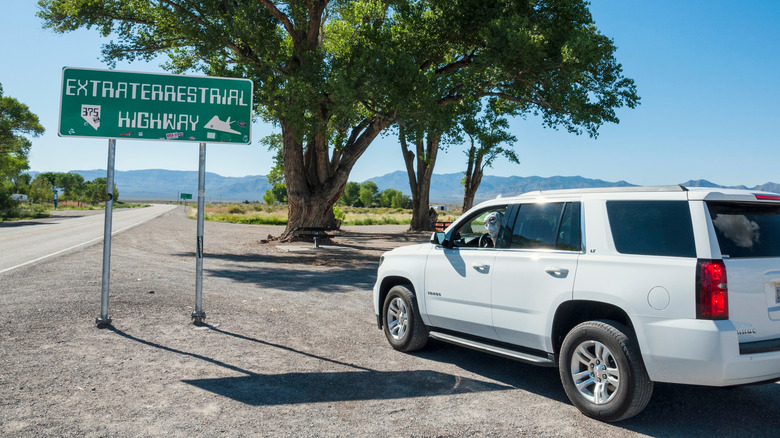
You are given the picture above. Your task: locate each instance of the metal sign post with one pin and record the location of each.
(199, 315)
(104, 320)
(152, 106)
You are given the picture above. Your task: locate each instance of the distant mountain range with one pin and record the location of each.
(167, 185)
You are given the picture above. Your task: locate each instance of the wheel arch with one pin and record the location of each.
(571, 313)
(388, 283)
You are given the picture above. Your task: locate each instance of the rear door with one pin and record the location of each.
(748, 235)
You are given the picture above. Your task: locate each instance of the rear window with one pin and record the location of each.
(661, 228)
(746, 230)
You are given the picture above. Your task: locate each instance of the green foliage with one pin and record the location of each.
(16, 124)
(351, 193)
(246, 219)
(8, 207)
(488, 129)
(339, 213)
(40, 189)
(274, 144)
(95, 191)
(377, 221)
(392, 198)
(360, 195)
(71, 183)
(236, 209)
(269, 198)
(25, 211)
(368, 192)
(21, 183)
(280, 192)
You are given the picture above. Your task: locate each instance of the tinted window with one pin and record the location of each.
(660, 228)
(547, 226)
(746, 230)
(570, 231)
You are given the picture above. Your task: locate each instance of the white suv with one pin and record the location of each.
(617, 288)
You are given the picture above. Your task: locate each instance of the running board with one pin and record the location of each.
(492, 349)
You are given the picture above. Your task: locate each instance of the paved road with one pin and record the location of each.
(25, 242)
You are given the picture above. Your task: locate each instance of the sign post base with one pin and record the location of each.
(198, 318)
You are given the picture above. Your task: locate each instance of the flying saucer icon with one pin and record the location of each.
(219, 125)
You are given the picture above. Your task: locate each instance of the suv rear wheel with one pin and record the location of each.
(602, 371)
(402, 323)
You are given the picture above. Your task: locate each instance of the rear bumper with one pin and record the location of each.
(698, 352)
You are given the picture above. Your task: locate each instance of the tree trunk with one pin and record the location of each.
(420, 181)
(473, 177)
(316, 181)
(471, 189)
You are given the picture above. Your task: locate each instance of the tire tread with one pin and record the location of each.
(639, 393)
(418, 331)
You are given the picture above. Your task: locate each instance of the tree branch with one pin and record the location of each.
(457, 65)
(284, 19)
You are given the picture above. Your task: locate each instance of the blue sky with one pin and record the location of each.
(707, 73)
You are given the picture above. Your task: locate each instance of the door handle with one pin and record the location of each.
(481, 267)
(557, 272)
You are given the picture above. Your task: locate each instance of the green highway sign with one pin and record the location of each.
(153, 106)
(186, 196)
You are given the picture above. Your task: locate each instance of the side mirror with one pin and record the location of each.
(440, 238)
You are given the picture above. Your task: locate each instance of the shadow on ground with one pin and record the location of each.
(295, 388)
(293, 273)
(674, 410)
(358, 383)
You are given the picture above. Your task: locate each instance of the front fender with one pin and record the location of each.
(405, 265)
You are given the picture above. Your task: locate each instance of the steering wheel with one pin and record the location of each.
(485, 241)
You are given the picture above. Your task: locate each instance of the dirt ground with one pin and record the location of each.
(290, 348)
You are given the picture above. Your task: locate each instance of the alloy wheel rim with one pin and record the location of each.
(397, 318)
(595, 372)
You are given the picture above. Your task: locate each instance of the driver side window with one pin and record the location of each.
(485, 229)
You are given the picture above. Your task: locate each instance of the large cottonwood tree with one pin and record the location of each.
(545, 58)
(333, 74)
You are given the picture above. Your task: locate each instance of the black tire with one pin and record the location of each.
(401, 320)
(608, 367)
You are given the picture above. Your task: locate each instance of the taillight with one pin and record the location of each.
(712, 292)
(768, 197)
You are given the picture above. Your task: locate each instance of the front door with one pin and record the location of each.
(458, 277)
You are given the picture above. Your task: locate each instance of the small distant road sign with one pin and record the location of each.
(186, 196)
(150, 106)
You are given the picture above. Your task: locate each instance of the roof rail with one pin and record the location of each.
(669, 188)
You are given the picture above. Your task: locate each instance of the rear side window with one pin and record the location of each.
(746, 230)
(660, 228)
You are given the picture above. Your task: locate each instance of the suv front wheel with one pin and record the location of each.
(401, 319)
(602, 371)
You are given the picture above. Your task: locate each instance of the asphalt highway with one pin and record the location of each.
(28, 241)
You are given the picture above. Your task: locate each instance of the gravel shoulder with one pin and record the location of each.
(290, 348)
